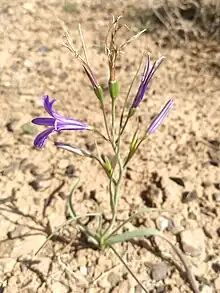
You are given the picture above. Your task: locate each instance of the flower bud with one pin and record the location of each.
(113, 89)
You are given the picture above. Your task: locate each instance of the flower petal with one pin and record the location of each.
(44, 121)
(48, 105)
(145, 80)
(41, 137)
(72, 149)
(159, 118)
(69, 124)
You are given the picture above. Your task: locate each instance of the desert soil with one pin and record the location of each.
(176, 170)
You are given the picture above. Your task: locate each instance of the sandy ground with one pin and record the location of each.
(176, 170)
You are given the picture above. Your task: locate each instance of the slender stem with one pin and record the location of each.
(126, 99)
(99, 133)
(106, 126)
(114, 198)
(113, 120)
(127, 267)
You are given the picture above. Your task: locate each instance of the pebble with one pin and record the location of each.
(63, 163)
(31, 7)
(217, 284)
(217, 186)
(216, 267)
(152, 197)
(159, 271)
(28, 63)
(162, 223)
(216, 196)
(206, 289)
(83, 270)
(193, 241)
(58, 287)
(188, 196)
(114, 279)
(35, 184)
(11, 125)
(70, 171)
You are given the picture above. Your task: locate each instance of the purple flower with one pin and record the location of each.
(158, 119)
(145, 80)
(56, 122)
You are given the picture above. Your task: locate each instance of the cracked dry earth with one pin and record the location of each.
(177, 170)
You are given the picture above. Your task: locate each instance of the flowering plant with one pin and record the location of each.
(108, 236)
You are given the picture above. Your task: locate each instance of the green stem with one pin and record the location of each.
(127, 267)
(113, 120)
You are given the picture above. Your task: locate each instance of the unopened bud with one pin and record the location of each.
(113, 89)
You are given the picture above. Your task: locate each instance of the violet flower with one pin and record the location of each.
(56, 122)
(145, 80)
(159, 118)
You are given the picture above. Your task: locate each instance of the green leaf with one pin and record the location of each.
(29, 128)
(71, 210)
(141, 232)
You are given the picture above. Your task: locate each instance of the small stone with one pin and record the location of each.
(152, 196)
(83, 270)
(162, 223)
(63, 163)
(217, 186)
(28, 64)
(206, 289)
(193, 242)
(43, 49)
(70, 171)
(178, 181)
(58, 287)
(31, 7)
(35, 184)
(188, 196)
(216, 196)
(218, 232)
(159, 271)
(217, 284)
(104, 283)
(216, 267)
(114, 279)
(11, 126)
(161, 289)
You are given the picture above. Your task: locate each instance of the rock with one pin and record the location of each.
(217, 186)
(206, 289)
(104, 283)
(188, 196)
(152, 196)
(217, 284)
(30, 7)
(35, 184)
(28, 63)
(83, 270)
(58, 287)
(70, 171)
(216, 196)
(193, 241)
(162, 223)
(63, 163)
(216, 267)
(11, 125)
(159, 271)
(114, 279)
(218, 232)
